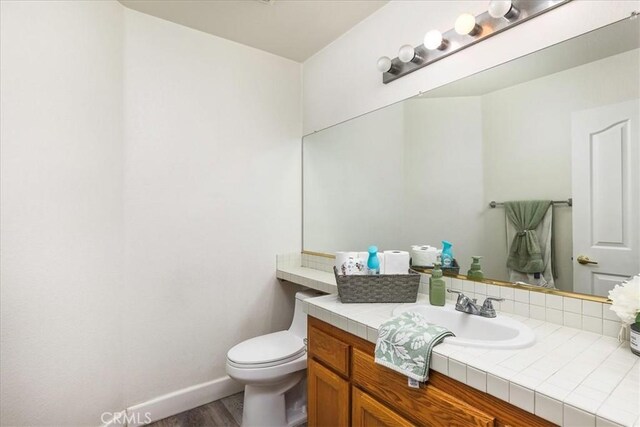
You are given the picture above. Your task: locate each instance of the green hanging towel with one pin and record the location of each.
(525, 254)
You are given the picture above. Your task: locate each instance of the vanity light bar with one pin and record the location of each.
(442, 45)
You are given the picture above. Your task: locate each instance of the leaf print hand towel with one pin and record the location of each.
(405, 343)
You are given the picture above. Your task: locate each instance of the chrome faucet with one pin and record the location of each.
(465, 304)
(470, 306)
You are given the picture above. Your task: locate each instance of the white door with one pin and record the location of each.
(606, 196)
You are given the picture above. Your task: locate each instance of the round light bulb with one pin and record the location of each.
(433, 40)
(406, 53)
(499, 8)
(466, 24)
(384, 64)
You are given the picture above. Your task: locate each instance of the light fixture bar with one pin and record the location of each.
(490, 26)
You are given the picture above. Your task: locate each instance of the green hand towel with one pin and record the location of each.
(525, 254)
(405, 342)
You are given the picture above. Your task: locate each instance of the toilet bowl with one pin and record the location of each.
(273, 369)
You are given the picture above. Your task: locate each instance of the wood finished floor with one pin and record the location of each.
(226, 412)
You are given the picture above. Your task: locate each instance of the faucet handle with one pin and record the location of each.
(461, 296)
(462, 302)
(487, 309)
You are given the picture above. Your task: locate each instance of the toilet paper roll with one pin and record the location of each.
(349, 263)
(363, 257)
(396, 262)
(341, 258)
(424, 255)
(419, 255)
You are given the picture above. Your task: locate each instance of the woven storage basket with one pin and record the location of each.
(378, 288)
(454, 270)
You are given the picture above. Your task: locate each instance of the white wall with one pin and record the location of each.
(150, 174)
(341, 81)
(212, 193)
(62, 223)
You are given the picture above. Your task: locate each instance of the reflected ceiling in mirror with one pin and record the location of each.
(425, 169)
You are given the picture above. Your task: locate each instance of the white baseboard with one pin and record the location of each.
(180, 401)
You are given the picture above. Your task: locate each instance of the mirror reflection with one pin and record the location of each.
(555, 125)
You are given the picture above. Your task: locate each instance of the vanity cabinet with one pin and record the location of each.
(346, 387)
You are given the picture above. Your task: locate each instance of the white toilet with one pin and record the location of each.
(273, 369)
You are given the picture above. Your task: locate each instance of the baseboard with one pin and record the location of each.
(180, 401)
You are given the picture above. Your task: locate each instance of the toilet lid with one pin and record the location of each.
(280, 346)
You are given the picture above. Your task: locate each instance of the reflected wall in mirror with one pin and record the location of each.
(559, 123)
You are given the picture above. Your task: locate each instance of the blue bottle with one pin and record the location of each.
(373, 263)
(447, 255)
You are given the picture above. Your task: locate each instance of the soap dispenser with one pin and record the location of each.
(447, 254)
(373, 263)
(437, 287)
(475, 271)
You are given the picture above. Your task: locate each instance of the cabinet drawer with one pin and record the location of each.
(330, 350)
(426, 405)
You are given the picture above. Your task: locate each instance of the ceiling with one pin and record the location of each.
(294, 29)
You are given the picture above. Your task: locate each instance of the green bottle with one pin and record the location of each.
(475, 272)
(436, 286)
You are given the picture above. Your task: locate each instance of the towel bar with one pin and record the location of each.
(494, 204)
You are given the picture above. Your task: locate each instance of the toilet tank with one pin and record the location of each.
(299, 323)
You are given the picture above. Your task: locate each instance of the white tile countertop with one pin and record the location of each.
(309, 277)
(570, 377)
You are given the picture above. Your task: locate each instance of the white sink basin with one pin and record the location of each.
(499, 332)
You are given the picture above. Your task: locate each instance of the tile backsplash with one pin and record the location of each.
(562, 310)
(318, 262)
(289, 260)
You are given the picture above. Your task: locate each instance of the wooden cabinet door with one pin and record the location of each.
(368, 412)
(328, 397)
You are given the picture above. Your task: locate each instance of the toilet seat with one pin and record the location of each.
(266, 351)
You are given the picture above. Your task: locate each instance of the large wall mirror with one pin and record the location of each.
(558, 124)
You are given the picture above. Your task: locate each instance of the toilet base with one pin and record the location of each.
(276, 405)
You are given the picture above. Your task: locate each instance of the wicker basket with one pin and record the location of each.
(378, 288)
(453, 271)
